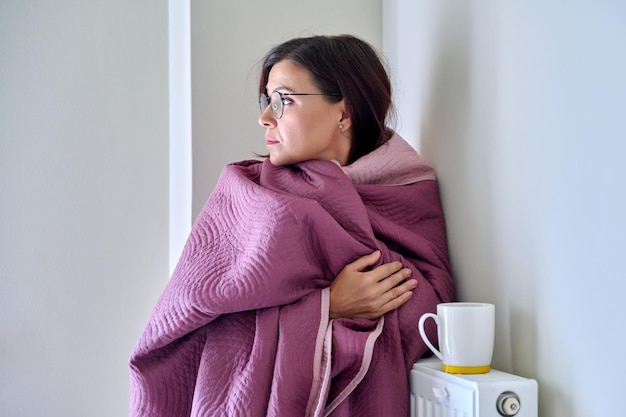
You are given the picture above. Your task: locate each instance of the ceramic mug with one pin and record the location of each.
(466, 336)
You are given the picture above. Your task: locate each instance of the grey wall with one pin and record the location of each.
(520, 107)
(83, 199)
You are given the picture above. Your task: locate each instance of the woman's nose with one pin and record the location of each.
(266, 119)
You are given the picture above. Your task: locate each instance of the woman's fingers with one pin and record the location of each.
(395, 289)
(395, 302)
(391, 274)
(364, 261)
(393, 298)
(400, 290)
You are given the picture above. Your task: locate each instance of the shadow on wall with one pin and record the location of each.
(450, 139)
(459, 120)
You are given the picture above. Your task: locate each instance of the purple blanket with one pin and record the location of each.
(242, 328)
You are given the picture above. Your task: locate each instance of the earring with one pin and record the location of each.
(340, 127)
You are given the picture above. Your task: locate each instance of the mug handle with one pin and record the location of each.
(423, 333)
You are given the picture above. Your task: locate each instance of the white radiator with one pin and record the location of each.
(435, 393)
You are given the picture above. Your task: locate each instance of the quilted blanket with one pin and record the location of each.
(242, 328)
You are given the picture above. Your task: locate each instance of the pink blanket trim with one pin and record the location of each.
(365, 364)
(321, 358)
(393, 163)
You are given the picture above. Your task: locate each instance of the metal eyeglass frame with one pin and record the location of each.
(277, 111)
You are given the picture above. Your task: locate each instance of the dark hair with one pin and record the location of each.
(349, 67)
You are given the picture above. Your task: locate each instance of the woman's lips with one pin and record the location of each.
(270, 141)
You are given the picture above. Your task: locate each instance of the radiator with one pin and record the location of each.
(435, 393)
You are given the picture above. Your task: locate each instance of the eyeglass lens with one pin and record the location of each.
(275, 101)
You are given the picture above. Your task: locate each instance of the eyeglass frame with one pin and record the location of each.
(268, 99)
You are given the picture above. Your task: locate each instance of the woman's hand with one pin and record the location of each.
(370, 294)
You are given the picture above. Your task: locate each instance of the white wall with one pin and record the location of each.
(83, 199)
(228, 40)
(521, 108)
(519, 105)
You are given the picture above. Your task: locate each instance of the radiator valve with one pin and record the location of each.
(508, 404)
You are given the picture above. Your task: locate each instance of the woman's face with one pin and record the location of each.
(310, 125)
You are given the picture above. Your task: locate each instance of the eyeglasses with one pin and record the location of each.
(276, 101)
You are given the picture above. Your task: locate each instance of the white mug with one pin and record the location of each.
(466, 336)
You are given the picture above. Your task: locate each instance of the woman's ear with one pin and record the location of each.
(345, 122)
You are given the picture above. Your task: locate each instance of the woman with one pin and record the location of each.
(300, 287)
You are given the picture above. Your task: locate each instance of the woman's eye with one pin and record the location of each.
(287, 101)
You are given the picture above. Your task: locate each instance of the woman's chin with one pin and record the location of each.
(278, 161)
